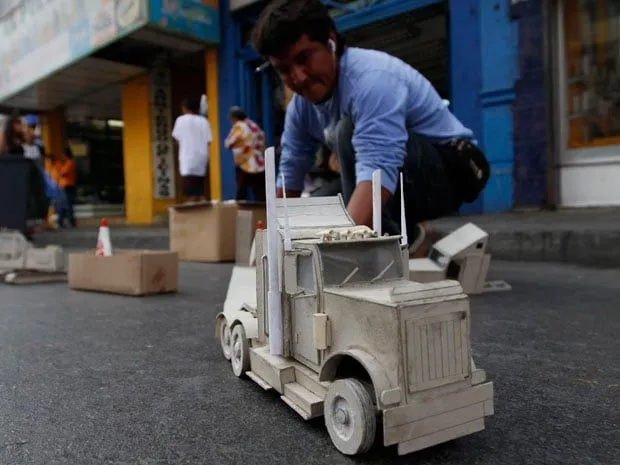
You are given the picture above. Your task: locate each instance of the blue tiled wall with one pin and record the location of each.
(529, 110)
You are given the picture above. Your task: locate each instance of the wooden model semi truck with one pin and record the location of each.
(329, 319)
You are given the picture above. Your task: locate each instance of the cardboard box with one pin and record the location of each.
(127, 272)
(206, 231)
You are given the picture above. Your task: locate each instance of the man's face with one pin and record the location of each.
(308, 68)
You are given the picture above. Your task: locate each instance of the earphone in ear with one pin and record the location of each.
(332, 45)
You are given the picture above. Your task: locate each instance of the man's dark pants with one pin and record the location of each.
(429, 188)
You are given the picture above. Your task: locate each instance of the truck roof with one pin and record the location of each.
(312, 214)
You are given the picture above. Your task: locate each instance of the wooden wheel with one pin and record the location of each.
(226, 340)
(350, 416)
(240, 351)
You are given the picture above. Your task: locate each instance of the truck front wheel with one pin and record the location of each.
(350, 416)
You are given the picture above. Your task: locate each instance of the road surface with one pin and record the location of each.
(91, 379)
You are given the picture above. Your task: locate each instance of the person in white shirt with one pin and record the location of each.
(192, 131)
(32, 149)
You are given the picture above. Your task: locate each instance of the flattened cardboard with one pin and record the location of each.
(49, 259)
(206, 231)
(127, 272)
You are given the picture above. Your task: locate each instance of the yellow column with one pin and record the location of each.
(137, 157)
(215, 167)
(53, 130)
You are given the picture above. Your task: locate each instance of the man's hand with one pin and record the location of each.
(360, 205)
(289, 193)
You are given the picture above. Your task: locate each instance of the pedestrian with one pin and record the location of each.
(33, 150)
(66, 180)
(13, 137)
(247, 142)
(192, 132)
(375, 112)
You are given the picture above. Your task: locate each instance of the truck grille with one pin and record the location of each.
(437, 350)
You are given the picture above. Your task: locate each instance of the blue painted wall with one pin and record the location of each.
(530, 120)
(465, 73)
(499, 70)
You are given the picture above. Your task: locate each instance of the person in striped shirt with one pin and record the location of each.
(246, 140)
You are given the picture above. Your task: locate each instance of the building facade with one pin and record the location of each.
(585, 116)
(106, 78)
(536, 80)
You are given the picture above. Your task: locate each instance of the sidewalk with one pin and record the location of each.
(582, 236)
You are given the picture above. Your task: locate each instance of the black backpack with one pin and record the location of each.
(472, 169)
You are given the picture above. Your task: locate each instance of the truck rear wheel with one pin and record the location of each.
(240, 351)
(350, 416)
(226, 339)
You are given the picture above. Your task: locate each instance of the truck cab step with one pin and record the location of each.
(303, 401)
(258, 380)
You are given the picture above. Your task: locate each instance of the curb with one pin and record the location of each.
(121, 239)
(586, 248)
(598, 248)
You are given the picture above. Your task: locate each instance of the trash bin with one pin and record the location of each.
(22, 192)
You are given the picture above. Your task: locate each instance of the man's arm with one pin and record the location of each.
(379, 140)
(298, 150)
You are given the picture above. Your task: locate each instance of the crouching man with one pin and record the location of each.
(375, 112)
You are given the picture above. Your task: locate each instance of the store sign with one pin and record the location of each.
(41, 36)
(163, 149)
(196, 18)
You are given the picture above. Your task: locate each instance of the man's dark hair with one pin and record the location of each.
(192, 104)
(237, 113)
(283, 22)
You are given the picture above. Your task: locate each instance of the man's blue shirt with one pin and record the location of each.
(387, 99)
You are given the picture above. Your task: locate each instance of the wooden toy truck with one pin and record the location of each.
(329, 319)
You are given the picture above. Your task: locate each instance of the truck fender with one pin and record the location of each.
(377, 373)
(243, 316)
(220, 319)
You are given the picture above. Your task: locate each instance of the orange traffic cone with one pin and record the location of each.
(104, 245)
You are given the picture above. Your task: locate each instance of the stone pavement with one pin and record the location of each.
(582, 236)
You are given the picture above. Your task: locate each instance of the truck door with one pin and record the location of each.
(304, 303)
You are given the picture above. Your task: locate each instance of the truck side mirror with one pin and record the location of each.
(290, 273)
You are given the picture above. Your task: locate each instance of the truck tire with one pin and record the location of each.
(240, 359)
(350, 416)
(226, 340)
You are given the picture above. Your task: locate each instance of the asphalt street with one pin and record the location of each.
(91, 379)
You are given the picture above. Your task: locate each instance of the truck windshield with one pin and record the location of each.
(359, 262)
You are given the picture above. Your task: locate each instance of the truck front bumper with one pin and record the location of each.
(425, 423)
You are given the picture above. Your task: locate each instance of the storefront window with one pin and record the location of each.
(592, 34)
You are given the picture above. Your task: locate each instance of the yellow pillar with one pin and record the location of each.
(215, 167)
(137, 157)
(53, 131)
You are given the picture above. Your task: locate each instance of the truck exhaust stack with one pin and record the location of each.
(274, 300)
